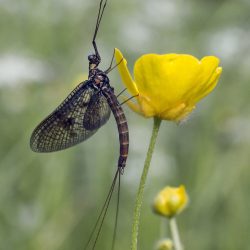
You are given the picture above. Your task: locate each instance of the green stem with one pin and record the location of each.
(175, 234)
(139, 196)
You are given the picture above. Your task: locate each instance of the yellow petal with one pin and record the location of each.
(177, 113)
(205, 79)
(134, 106)
(124, 72)
(165, 78)
(211, 84)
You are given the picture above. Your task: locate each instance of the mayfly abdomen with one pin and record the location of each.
(122, 126)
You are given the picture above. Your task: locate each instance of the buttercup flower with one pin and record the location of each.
(168, 86)
(170, 201)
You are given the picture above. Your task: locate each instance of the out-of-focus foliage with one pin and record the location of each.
(51, 201)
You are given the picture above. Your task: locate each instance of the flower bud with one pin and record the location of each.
(170, 201)
(165, 244)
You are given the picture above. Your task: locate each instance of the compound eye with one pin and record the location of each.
(91, 57)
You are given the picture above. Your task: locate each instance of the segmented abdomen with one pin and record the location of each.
(122, 126)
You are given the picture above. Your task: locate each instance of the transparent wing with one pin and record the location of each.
(64, 127)
(97, 113)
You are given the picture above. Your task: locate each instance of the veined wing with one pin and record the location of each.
(97, 113)
(64, 127)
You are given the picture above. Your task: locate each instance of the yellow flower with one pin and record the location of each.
(170, 201)
(168, 86)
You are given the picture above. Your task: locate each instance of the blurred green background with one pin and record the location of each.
(50, 201)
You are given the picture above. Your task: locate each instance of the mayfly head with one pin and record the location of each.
(94, 61)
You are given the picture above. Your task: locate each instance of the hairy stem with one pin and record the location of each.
(139, 196)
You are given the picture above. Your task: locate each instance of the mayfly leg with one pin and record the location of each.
(110, 68)
(121, 93)
(131, 97)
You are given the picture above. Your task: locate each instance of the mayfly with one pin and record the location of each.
(83, 112)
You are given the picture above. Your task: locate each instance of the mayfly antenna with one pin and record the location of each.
(102, 7)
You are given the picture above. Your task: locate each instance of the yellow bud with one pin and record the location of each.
(170, 201)
(165, 244)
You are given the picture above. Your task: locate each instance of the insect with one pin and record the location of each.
(82, 113)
